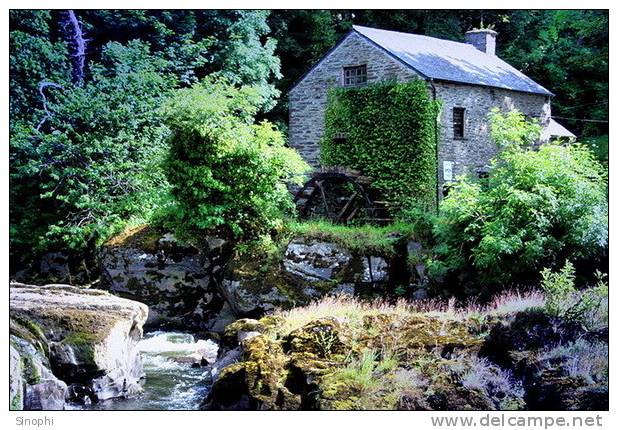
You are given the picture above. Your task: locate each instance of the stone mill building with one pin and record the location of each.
(468, 78)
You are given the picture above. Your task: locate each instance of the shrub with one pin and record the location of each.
(536, 209)
(225, 171)
(497, 384)
(581, 359)
(512, 129)
(564, 301)
(390, 134)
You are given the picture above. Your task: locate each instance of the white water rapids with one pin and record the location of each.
(169, 384)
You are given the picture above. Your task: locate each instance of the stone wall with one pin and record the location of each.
(308, 98)
(473, 153)
(307, 104)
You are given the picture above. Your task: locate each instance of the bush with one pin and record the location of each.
(225, 171)
(511, 129)
(564, 301)
(536, 209)
(390, 134)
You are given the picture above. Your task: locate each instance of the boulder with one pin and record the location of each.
(32, 384)
(312, 260)
(55, 267)
(172, 277)
(58, 267)
(375, 269)
(230, 357)
(246, 300)
(90, 337)
(48, 395)
(256, 382)
(308, 270)
(530, 330)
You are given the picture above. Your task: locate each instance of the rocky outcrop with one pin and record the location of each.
(16, 380)
(302, 368)
(355, 356)
(204, 288)
(58, 267)
(307, 270)
(559, 368)
(74, 343)
(173, 278)
(311, 260)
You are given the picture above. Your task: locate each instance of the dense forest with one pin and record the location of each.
(87, 135)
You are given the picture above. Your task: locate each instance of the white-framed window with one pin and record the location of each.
(354, 75)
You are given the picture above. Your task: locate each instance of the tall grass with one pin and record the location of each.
(364, 239)
(351, 310)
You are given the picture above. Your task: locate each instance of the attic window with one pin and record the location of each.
(458, 122)
(356, 75)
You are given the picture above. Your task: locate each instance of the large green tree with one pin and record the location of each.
(86, 145)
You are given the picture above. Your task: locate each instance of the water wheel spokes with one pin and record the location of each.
(335, 196)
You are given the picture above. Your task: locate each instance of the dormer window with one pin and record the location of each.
(355, 75)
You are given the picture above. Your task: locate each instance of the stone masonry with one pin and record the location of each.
(307, 104)
(307, 100)
(473, 153)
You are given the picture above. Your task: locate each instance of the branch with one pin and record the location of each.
(48, 114)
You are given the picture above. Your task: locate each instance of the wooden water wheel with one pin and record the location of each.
(338, 195)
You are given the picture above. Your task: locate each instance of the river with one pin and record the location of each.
(168, 385)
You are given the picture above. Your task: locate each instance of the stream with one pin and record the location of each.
(168, 385)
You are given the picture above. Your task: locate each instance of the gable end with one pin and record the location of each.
(341, 41)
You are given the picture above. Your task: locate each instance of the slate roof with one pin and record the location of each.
(446, 60)
(555, 129)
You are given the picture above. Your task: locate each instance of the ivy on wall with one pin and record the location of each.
(390, 134)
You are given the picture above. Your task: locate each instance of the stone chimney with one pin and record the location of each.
(483, 40)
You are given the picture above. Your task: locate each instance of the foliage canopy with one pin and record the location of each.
(536, 209)
(92, 163)
(225, 171)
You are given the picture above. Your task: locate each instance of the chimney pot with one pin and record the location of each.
(484, 40)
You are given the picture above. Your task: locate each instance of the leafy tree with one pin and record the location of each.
(246, 60)
(512, 128)
(197, 43)
(32, 60)
(85, 159)
(568, 52)
(93, 162)
(226, 172)
(536, 209)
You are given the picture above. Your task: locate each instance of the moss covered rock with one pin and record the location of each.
(84, 336)
(255, 383)
(172, 277)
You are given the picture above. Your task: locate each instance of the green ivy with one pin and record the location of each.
(390, 134)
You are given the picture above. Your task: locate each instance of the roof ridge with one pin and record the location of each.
(467, 45)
